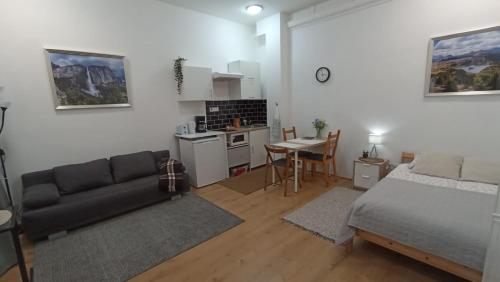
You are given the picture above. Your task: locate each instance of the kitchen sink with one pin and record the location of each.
(232, 129)
(226, 129)
(254, 125)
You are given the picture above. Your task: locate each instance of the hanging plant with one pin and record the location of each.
(179, 77)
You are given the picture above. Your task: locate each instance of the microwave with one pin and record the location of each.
(237, 139)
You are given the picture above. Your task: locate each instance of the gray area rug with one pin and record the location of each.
(125, 246)
(327, 215)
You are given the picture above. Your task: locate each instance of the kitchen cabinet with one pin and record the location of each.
(197, 85)
(205, 157)
(249, 86)
(237, 156)
(245, 89)
(258, 138)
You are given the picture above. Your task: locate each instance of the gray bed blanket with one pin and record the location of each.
(445, 222)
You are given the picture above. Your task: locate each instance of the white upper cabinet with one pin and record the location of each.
(197, 85)
(200, 84)
(249, 86)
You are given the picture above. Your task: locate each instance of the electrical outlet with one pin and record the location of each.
(214, 109)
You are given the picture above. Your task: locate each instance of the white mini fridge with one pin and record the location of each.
(205, 159)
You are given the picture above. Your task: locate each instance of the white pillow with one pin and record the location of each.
(439, 165)
(480, 171)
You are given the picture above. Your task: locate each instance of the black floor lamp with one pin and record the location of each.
(12, 226)
(2, 159)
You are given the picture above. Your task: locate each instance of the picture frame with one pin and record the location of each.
(464, 64)
(84, 80)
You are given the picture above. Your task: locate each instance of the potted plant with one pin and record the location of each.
(179, 77)
(319, 124)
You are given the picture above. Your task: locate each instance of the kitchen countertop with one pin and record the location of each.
(244, 129)
(219, 132)
(199, 135)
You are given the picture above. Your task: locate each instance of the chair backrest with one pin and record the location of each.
(286, 132)
(331, 145)
(274, 150)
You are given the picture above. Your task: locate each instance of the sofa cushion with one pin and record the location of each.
(132, 166)
(80, 177)
(159, 156)
(38, 177)
(40, 195)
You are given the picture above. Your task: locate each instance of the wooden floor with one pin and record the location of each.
(264, 248)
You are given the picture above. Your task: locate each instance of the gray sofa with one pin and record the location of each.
(70, 196)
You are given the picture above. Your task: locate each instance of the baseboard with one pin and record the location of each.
(57, 235)
(176, 197)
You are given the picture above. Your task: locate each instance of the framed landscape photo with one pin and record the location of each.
(82, 80)
(464, 64)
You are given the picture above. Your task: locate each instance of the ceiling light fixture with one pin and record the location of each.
(254, 9)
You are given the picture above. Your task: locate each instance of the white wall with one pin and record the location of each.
(273, 56)
(149, 33)
(378, 59)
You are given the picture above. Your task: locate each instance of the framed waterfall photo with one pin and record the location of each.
(82, 80)
(464, 64)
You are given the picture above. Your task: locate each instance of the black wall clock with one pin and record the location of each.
(323, 74)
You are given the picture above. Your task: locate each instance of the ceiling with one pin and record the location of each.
(234, 10)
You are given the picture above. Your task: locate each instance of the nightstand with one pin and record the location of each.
(366, 174)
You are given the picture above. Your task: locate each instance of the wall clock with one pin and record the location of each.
(323, 74)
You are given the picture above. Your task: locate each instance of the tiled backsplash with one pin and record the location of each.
(254, 111)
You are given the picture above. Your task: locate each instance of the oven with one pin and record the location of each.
(235, 139)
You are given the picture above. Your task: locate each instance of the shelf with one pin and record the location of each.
(219, 76)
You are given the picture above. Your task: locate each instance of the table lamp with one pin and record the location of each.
(374, 139)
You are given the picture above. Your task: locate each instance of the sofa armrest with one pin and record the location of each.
(40, 195)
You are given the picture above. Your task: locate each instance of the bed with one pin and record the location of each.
(442, 222)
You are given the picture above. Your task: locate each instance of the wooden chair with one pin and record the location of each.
(272, 163)
(286, 132)
(301, 154)
(326, 158)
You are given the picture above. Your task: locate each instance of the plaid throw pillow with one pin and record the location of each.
(171, 175)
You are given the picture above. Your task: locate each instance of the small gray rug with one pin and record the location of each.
(327, 215)
(125, 246)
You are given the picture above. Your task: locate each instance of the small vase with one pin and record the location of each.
(318, 133)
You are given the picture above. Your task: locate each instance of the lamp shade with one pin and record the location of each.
(375, 139)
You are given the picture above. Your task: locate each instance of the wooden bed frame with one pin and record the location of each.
(435, 261)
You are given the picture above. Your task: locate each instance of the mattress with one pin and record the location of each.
(404, 173)
(433, 215)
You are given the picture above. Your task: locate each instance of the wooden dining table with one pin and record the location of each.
(296, 145)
